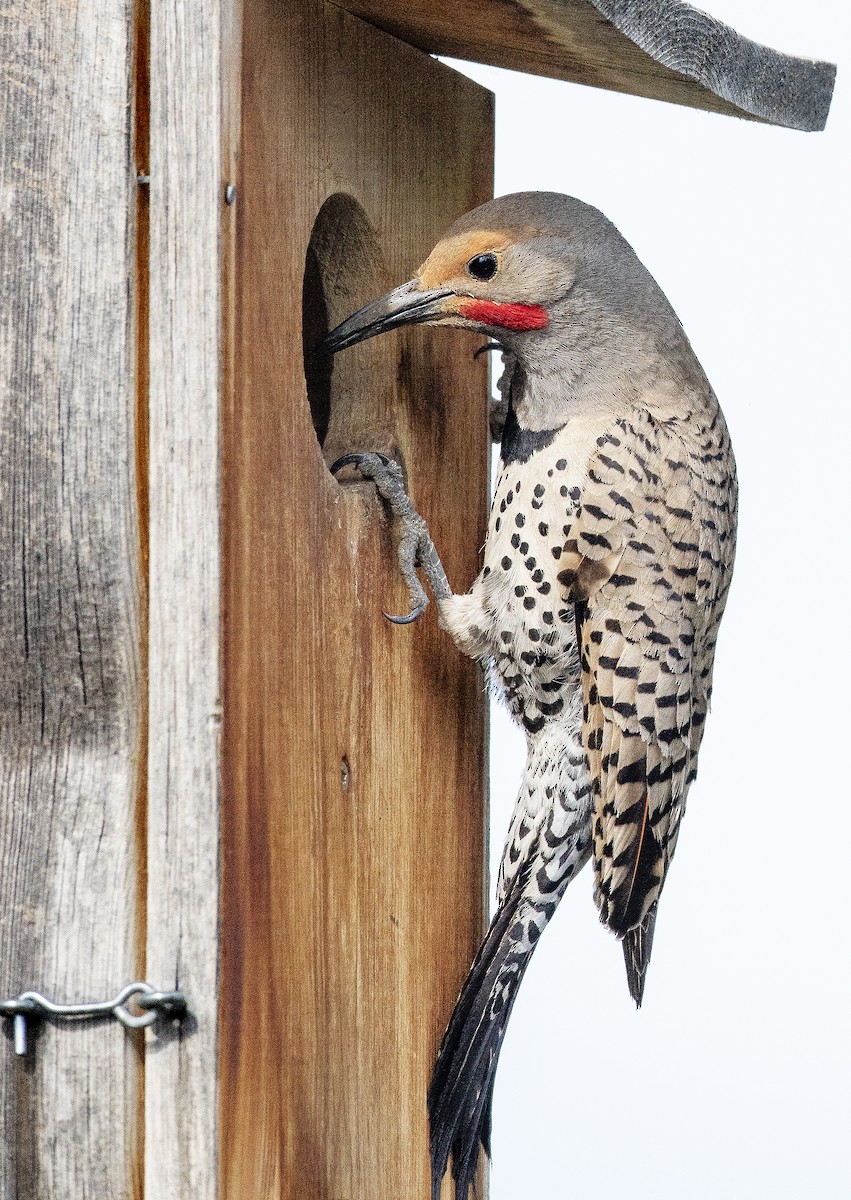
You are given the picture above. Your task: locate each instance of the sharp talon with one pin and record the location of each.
(488, 346)
(355, 460)
(347, 460)
(412, 616)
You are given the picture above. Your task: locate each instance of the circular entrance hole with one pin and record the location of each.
(314, 326)
(343, 271)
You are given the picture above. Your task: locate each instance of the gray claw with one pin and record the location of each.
(412, 616)
(415, 545)
(488, 346)
(357, 460)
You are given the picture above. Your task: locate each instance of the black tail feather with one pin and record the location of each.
(461, 1088)
(637, 944)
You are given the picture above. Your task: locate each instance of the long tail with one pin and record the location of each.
(637, 944)
(461, 1089)
(548, 842)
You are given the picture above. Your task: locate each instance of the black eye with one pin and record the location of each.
(483, 266)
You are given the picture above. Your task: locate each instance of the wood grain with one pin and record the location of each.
(187, 210)
(70, 613)
(353, 751)
(667, 50)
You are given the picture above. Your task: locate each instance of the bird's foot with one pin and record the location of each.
(498, 410)
(500, 407)
(415, 549)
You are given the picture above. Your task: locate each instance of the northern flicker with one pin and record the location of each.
(606, 569)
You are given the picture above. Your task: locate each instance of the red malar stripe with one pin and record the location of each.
(507, 316)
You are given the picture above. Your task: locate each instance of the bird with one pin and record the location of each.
(606, 569)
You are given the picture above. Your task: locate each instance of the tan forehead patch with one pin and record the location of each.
(449, 257)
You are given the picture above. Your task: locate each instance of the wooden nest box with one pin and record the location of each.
(221, 770)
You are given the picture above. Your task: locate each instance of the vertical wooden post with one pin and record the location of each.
(192, 54)
(353, 750)
(71, 622)
(220, 767)
(142, 379)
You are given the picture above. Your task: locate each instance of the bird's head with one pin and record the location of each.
(510, 269)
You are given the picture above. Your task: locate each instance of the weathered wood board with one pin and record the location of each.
(194, 52)
(668, 50)
(71, 611)
(220, 767)
(353, 750)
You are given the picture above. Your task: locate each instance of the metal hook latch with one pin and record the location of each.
(32, 1006)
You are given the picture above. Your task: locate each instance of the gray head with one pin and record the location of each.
(536, 271)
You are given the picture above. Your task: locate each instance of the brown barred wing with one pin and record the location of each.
(639, 784)
(638, 568)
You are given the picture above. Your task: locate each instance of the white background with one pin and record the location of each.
(734, 1079)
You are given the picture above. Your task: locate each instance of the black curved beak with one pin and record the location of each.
(405, 305)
